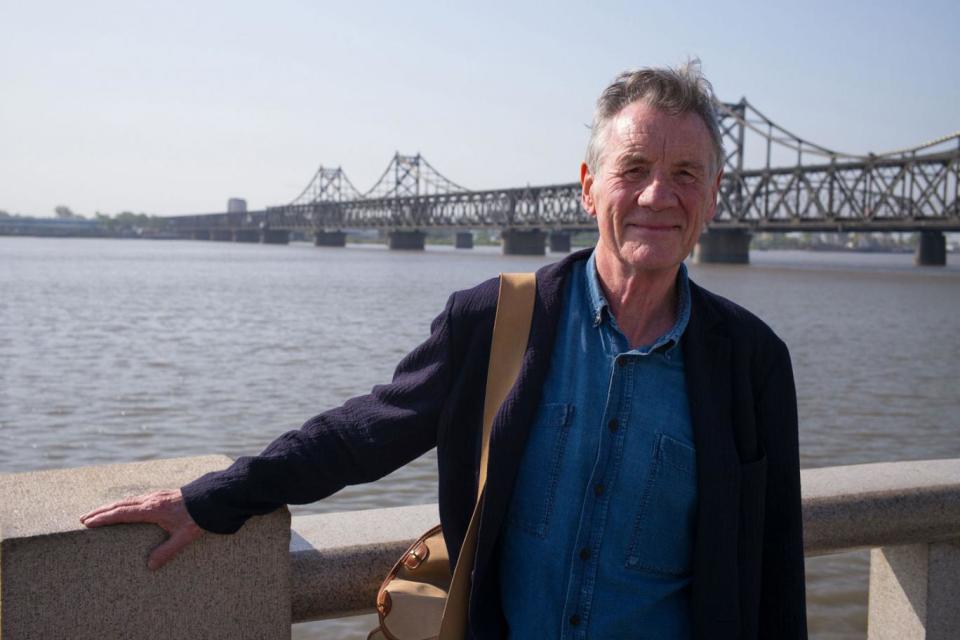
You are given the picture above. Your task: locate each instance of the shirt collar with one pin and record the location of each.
(598, 305)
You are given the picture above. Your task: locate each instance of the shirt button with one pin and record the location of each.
(584, 554)
(613, 425)
(621, 362)
(598, 488)
(574, 620)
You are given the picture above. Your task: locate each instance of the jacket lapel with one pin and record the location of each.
(708, 372)
(512, 423)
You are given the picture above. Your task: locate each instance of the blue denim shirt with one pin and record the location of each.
(599, 535)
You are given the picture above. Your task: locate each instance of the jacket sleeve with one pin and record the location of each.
(782, 596)
(361, 441)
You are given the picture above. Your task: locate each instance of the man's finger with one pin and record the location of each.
(122, 515)
(113, 505)
(165, 552)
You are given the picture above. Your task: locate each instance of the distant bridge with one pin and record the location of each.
(819, 189)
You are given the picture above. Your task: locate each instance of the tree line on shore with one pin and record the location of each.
(123, 222)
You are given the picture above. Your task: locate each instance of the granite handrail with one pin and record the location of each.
(339, 559)
(60, 579)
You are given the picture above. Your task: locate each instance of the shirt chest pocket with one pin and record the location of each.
(662, 537)
(535, 490)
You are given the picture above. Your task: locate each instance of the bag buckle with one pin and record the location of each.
(417, 556)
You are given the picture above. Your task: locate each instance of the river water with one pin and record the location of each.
(125, 350)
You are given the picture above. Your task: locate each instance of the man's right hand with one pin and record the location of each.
(162, 508)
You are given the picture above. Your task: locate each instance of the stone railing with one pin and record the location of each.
(58, 579)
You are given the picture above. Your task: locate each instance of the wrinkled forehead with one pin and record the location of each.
(640, 128)
(644, 123)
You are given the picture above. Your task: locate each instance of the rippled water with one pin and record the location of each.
(114, 350)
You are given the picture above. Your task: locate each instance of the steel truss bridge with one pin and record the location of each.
(799, 186)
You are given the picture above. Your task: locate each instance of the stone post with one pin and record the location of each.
(914, 592)
(59, 579)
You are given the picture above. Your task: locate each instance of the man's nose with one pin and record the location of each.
(657, 194)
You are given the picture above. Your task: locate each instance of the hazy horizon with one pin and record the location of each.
(174, 109)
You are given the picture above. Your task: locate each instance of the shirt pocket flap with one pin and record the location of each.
(678, 454)
(555, 414)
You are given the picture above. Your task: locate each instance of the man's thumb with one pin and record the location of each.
(168, 549)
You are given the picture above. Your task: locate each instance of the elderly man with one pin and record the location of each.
(643, 477)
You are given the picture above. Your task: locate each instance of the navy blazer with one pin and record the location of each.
(748, 574)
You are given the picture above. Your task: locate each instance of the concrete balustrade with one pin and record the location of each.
(59, 579)
(909, 513)
(338, 560)
(879, 505)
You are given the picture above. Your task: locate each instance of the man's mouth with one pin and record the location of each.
(654, 227)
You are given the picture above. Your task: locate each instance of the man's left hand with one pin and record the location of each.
(162, 508)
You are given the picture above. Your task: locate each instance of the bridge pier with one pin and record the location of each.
(931, 250)
(246, 235)
(201, 234)
(221, 235)
(274, 236)
(406, 240)
(524, 242)
(560, 241)
(464, 240)
(723, 246)
(330, 239)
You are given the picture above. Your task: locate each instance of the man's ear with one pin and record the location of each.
(716, 192)
(586, 184)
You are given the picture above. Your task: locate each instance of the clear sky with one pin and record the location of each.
(173, 107)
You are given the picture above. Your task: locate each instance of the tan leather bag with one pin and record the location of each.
(419, 599)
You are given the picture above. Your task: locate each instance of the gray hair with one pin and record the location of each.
(673, 91)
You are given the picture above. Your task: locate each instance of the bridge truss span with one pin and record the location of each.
(554, 206)
(878, 194)
(773, 180)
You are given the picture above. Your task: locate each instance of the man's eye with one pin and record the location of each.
(634, 172)
(686, 177)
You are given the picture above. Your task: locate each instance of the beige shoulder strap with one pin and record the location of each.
(511, 327)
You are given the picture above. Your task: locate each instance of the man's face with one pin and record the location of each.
(654, 188)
